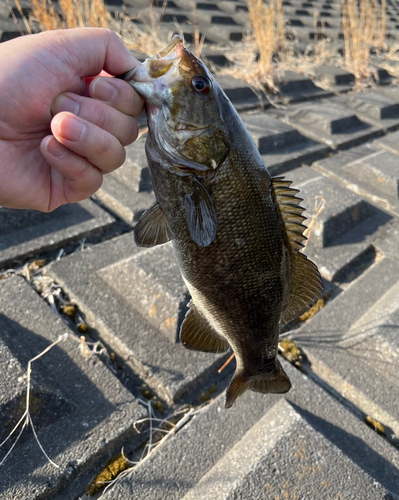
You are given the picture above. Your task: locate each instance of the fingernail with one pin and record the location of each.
(71, 128)
(65, 103)
(103, 90)
(55, 148)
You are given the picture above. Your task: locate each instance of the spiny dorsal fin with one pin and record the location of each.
(152, 228)
(196, 334)
(306, 285)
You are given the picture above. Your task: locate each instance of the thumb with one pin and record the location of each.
(88, 51)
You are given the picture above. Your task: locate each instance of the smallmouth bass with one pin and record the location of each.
(237, 233)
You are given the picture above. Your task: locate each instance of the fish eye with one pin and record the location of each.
(201, 84)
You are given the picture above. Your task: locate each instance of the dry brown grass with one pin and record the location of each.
(260, 59)
(263, 20)
(364, 24)
(198, 39)
(146, 36)
(149, 36)
(47, 15)
(253, 58)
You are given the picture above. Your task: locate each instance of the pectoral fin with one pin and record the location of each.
(196, 334)
(200, 215)
(152, 228)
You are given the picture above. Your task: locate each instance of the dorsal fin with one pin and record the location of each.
(306, 285)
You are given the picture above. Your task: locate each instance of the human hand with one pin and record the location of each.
(60, 130)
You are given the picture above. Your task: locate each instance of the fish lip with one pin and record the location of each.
(176, 40)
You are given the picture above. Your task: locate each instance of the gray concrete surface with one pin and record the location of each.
(312, 443)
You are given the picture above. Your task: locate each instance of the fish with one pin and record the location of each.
(237, 233)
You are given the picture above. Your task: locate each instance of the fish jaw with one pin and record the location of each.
(157, 76)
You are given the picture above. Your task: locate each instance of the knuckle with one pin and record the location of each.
(131, 133)
(122, 157)
(112, 35)
(84, 170)
(101, 115)
(104, 147)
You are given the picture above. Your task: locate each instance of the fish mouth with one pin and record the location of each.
(155, 67)
(173, 51)
(188, 126)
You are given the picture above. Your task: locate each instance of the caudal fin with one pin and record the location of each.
(276, 382)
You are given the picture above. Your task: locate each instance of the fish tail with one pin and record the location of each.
(276, 382)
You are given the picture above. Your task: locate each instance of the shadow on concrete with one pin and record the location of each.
(65, 406)
(19, 226)
(357, 450)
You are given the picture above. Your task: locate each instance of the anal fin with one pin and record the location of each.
(196, 334)
(276, 382)
(152, 228)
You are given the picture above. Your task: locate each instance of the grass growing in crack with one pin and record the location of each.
(160, 431)
(26, 418)
(318, 208)
(87, 349)
(49, 15)
(198, 38)
(143, 35)
(364, 25)
(148, 36)
(252, 60)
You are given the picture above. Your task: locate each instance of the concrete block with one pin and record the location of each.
(334, 125)
(81, 412)
(128, 190)
(282, 445)
(214, 56)
(233, 7)
(223, 33)
(241, 94)
(335, 79)
(367, 170)
(343, 230)
(28, 232)
(373, 108)
(389, 142)
(352, 344)
(216, 17)
(388, 241)
(281, 146)
(297, 87)
(264, 461)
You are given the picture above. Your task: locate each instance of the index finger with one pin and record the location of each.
(117, 94)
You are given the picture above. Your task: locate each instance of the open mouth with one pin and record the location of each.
(187, 126)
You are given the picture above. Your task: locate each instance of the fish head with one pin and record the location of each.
(183, 112)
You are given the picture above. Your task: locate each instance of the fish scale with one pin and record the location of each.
(236, 232)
